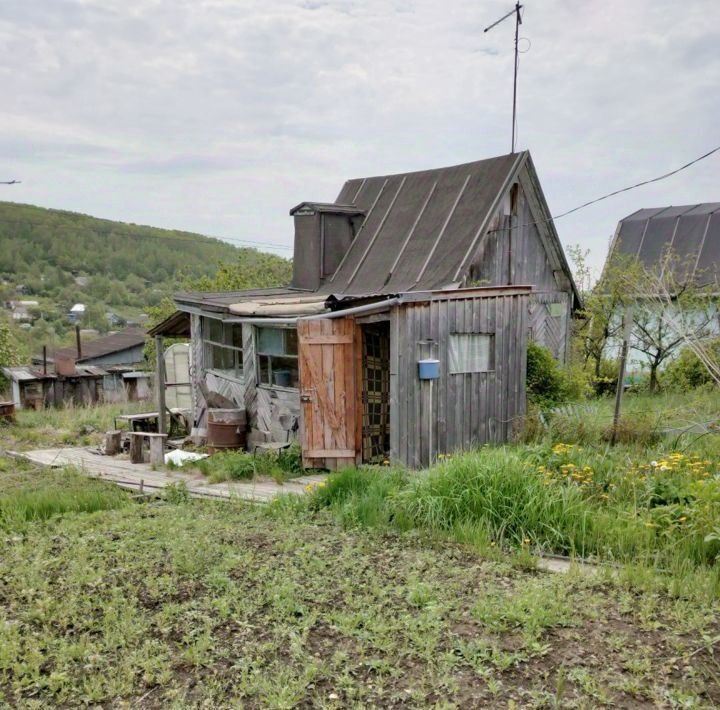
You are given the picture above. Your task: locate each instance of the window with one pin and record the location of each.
(471, 352)
(277, 350)
(557, 310)
(223, 347)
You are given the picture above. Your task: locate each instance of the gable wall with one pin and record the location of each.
(513, 252)
(264, 406)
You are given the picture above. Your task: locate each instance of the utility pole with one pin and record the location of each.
(518, 21)
(627, 330)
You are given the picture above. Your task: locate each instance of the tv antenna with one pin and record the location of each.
(518, 21)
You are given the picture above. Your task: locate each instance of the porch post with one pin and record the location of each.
(160, 382)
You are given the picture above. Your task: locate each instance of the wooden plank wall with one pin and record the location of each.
(467, 410)
(269, 409)
(552, 332)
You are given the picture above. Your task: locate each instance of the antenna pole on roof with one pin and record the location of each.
(518, 21)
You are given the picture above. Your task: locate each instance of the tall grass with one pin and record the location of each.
(35, 497)
(497, 496)
(493, 488)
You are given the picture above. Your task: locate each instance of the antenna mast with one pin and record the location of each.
(518, 21)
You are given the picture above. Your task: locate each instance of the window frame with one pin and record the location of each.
(210, 344)
(491, 354)
(269, 355)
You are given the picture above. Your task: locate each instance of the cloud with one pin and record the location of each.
(217, 115)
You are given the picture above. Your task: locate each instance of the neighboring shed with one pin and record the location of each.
(461, 265)
(112, 359)
(32, 389)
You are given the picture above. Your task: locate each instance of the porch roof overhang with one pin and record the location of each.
(176, 325)
(289, 306)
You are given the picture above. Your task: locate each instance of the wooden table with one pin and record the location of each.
(148, 421)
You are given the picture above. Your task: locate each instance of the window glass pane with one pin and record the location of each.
(214, 330)
(270, 341)
(291, 342)
(222, 358)
(264, 369)
(285, 371)
(236, 336)
(470, 352)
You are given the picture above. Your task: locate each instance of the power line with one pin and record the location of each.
(616, 192)
(10, 182)
(638, 184)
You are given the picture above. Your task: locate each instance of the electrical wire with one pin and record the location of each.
(638, 184)
(613, 193)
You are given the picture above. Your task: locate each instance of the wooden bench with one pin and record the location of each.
(157, 447)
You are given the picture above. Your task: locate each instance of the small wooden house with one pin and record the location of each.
(459, 265)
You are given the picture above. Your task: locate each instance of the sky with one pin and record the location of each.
(217, 116)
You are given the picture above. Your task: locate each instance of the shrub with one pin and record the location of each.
(548, 383)
(227, 466)
(177, 493)
(241, 466)
(687, 371)
(290, 460)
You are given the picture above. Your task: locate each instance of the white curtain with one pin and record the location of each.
(470, 352)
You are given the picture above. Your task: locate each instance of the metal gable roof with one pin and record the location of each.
(419, 226)
(690, 232)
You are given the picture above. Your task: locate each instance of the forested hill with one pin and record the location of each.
(60, 258)
(34, 239)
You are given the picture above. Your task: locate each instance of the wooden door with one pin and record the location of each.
(328, 353)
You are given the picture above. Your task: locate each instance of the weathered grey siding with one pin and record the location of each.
(129, 356)
(466, 410)
(271, 411)
(513, 253)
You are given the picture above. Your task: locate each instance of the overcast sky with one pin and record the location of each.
(217, 116)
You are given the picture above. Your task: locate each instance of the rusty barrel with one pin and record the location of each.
(226, 429)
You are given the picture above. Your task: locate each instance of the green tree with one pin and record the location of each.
(10, 349)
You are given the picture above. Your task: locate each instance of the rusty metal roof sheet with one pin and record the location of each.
(117, 342)
(25, 374)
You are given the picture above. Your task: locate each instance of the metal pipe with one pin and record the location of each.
(261, 321)
(357, 310)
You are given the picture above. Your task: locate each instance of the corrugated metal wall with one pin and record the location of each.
(467, 410)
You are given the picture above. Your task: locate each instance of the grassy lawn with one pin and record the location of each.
(383, 588)
(70, 426)
(202, 604)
